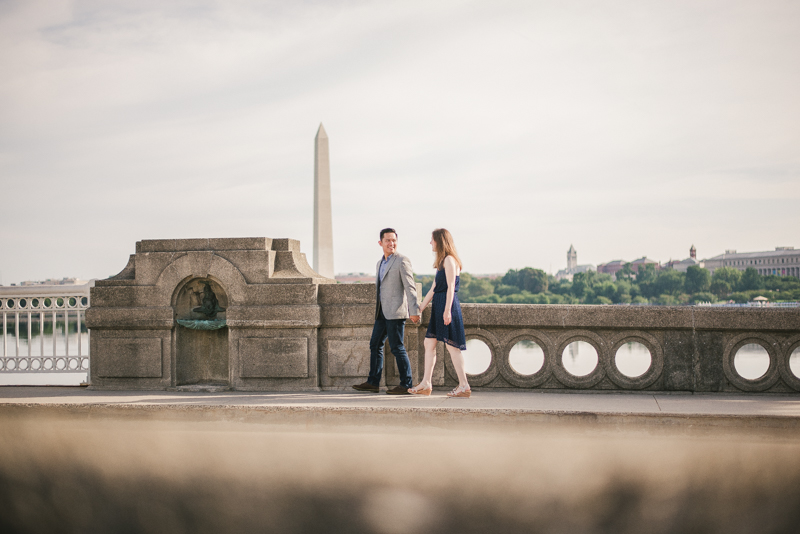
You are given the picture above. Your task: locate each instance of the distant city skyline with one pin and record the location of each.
(627, 129)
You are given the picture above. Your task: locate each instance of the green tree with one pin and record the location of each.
(503, 290)
(426, 281)
(646, 273)
(510, 278)
(721, 288)
(703, 297)
(728, 275)
(479, 287)
(580, 284)
(669, 282)
(623, 292)
(607, 290)
(666, 300)
(697, 279)
(751, 280)
(626, 273)
(532, 280)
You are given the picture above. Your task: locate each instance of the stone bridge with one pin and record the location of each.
(283, 327)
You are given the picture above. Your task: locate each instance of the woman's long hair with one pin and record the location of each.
(444, 247)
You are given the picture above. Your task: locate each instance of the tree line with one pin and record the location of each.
(646, 285)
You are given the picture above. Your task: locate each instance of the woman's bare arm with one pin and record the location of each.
(428, 297)
(450, 273)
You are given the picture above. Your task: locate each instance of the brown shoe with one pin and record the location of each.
(398, 390)
(366, 386)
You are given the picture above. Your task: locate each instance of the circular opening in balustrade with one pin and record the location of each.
(526, 357)
(794, 362)
(23, 365)
(751, 361)
(84, 301)
(48, 303)
(85, 364)
(59, 302)
(11, 364)
(633, 359)
(35, 303)
(48, 364)
(36, 364)
(579, 358)
(10, 303)
(73, 363)
(477, 357)
(23, 303)
(61, 364)
(72, 302)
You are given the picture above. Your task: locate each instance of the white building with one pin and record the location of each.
(683, 265)
(783, 261)
(572, 266)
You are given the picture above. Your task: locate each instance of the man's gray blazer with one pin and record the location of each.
(397, 289)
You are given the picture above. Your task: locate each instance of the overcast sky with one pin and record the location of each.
(625, 128)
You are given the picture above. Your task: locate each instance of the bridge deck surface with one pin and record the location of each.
(530, 402)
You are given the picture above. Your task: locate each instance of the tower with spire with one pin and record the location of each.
(572, 259)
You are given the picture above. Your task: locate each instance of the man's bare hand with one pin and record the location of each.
(415, 319)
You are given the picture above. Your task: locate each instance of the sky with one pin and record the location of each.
(625, 128)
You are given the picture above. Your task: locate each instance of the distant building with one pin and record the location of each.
(783, 261)
(644, 261)
(683, 265)
(572, 266)
(51, 282)
(612, 267)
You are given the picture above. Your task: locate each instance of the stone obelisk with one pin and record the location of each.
(323, 227)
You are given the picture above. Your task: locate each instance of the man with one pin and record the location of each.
(396, 297)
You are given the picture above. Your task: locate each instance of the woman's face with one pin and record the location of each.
(433, 244)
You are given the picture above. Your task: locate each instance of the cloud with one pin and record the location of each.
(626, 128)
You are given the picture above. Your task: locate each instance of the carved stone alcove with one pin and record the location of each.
(201, 334)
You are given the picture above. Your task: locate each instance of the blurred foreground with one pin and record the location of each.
(90, 473)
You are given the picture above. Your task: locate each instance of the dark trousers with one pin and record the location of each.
(394, 329)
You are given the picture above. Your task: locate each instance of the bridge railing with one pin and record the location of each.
(44, 339)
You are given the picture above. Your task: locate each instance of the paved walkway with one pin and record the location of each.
(531, 402)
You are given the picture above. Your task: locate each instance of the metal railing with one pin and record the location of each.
(44, 331)
(750, 304)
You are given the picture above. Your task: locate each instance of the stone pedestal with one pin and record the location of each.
(154, 326)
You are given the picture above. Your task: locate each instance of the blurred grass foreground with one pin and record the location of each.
(186, 473)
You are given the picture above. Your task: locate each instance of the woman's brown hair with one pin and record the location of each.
(444, 247)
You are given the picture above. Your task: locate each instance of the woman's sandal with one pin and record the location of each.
(415, 391)
(461, 393)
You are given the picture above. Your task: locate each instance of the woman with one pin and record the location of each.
(446, 323)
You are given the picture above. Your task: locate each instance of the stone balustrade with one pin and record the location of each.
(282, 327)
(691, 348)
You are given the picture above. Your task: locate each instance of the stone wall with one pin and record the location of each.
(283, 327)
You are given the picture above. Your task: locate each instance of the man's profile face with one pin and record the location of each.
(388, 243)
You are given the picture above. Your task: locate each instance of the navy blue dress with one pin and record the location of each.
(452, 334)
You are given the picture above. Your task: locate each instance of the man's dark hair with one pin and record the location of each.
(388, 231)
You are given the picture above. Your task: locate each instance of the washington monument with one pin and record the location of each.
(323, 227)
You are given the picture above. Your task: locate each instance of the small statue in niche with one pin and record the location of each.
(209, 306)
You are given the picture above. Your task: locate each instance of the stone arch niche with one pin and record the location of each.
(201, 334)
